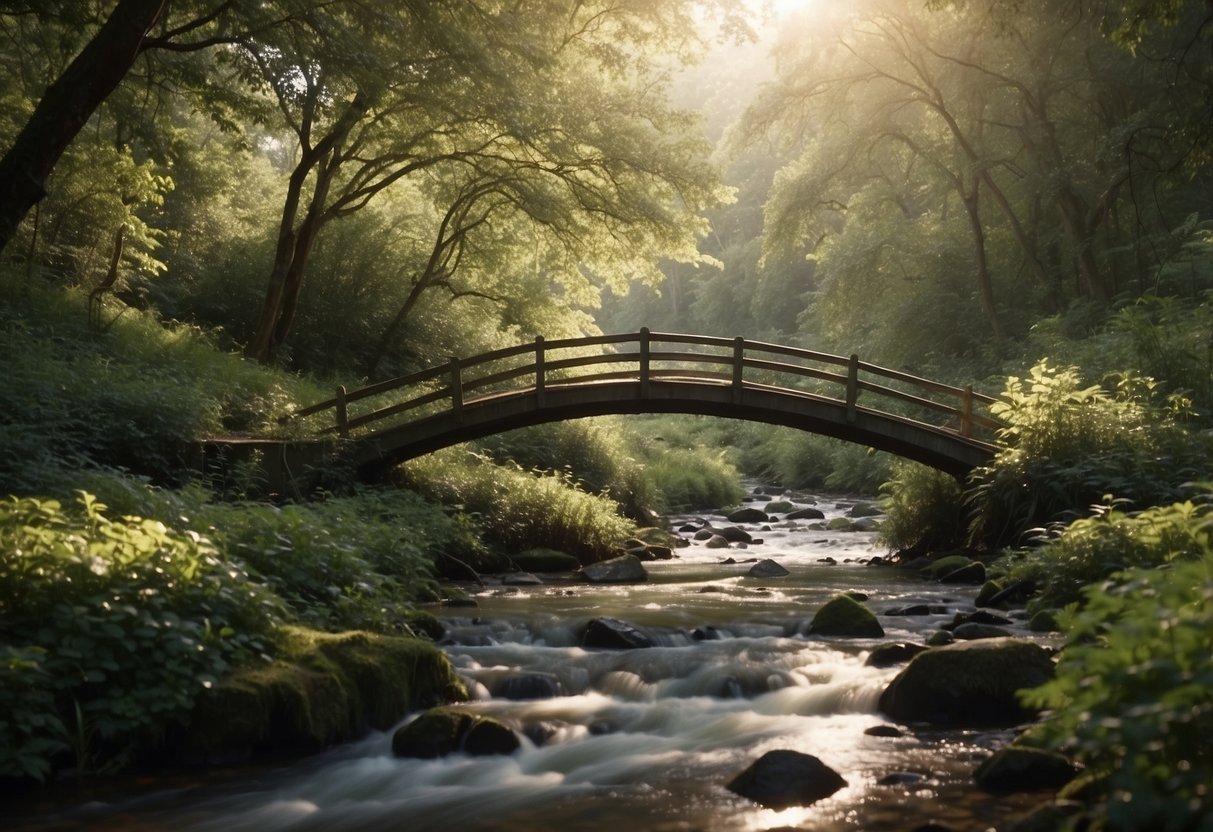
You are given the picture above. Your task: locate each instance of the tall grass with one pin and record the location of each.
(518, 509)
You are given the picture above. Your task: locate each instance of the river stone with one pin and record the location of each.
(971, 573)
(735, 535)
(767, 569)
(839, 524)
(970, 683)
(1018, 769)
(527, 686)
(614, 634)
(973, 630)
(844, 616)
(864, 510)
(717, 541)
(912, 609)
(441, 731)
(622, 570)
(545, 560)
(887, 655)
(779, 779)
(884, 730)
(747, 515)
(940, 638)
(988, 590)
(865, 524)
(978, 617)
(936, 569)
(806, 514)
(779, 507)
(1044, 621)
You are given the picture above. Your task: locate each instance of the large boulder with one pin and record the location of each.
(623, 570)
(779, 779)
(735, 535)
(805, 514)
(779, 507)
(968, 683)
(442, 731)
(747, 515)
(844, 616)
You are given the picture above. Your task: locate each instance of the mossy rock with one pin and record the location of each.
(1044, 621)
(972, 683)
(441, 731)
(546, 560)
(938, 568)
(839, 524)
(1019, 769)
(844, 616)
(656, 536)
(779, 507)
(327, 688)
(424, 624)
(988, 591)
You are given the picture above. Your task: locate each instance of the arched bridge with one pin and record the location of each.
(649, 372)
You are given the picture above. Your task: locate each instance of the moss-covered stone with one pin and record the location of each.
(988, 591)
(844, 616)
(656, 536)
(546, 560)
(327, 688)
(968, 683)
(839, 524)
(938, 568)
(441, 731)
(973, 572)
(1019, 769)
(779, 507)
(1044, 621)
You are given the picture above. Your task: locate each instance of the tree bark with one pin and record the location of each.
(66, 107)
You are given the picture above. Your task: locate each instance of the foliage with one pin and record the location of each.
(1089, 550)
(112, 627)
(924, 509)
(693, 478)
(1131, 696)
(796, 459)
(355, 562)
(518, 509)
(1066, 445)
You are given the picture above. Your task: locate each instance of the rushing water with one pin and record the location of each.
(644, 739)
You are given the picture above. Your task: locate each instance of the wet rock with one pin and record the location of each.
(528, 686)
(911, 609)
(614, 634)
(940, 638)
(622, 570)
(901, 778)
(972, 683)
(978, 617)
(1015, 594)
(545, 560)
(971, 573)
(704, 534)
(988, 590)
(688, 528)
(864, 510)
(1044, 621)
(806, 514)
(779, 507)
(767, 569)
(1018, 769)
(541, 733)
(865, 524)
(736, 535)
(887, 655)
(707, 633)
(442, 731)
(712, 588)
(844, 616)
(779, 779)
(856, 595)
(973, 631)
(828, 561)
(747, 515)
(884, 731)
(717, 541)
(656, 552)
(936, 569)
(839, 524)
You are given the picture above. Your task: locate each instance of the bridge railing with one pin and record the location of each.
(650, 358)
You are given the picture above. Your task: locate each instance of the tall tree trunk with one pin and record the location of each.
(66, 107)
(1074, 220)
(984, 284)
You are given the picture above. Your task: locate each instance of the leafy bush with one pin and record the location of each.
(354, 562)
(693, 478)
(518, 509)
(1066, 445)
(805, 460)
(924, 509)
(1131, 696)
(111, 629)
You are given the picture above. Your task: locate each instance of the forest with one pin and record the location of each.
(212, 212)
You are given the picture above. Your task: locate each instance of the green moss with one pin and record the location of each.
(844, 616)
(654, 536)
(944, 565)
(779, 507)
(329, 688)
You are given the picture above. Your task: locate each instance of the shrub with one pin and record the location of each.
(1131, 696)
(518, 509)
(1066, 446)
(693, 478)
(924, 509)
(112, 628)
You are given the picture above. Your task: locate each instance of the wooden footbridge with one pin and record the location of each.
(384, 424)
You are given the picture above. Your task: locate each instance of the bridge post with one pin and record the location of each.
(456, 387)
(852, 386)
(540, 372)
(738, 366)
(343, 416)
(644, 362)
(966, 412)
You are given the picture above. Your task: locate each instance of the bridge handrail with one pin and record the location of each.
(459, 380)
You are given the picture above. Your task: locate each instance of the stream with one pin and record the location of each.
(644, 739)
